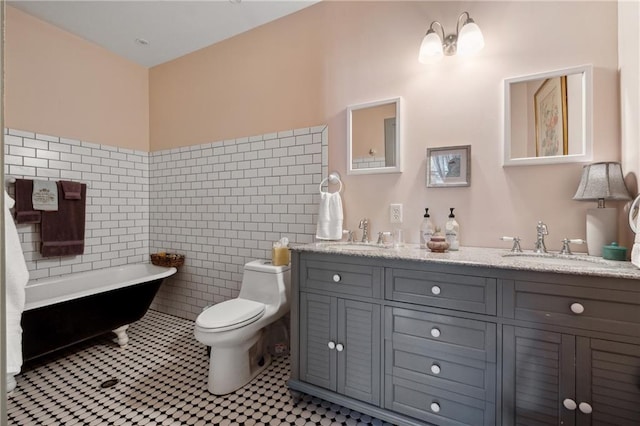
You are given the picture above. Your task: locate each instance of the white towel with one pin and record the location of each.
(45, 195)
(16, 277)
(330, 217)
(635, 251)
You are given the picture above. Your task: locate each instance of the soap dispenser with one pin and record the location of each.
(427, 229)
(452, 231)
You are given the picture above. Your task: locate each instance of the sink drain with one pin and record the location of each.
(109, 383)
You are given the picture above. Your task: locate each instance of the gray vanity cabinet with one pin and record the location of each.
(339, 337)
(572, 377)
(426, 343)
(553, 378)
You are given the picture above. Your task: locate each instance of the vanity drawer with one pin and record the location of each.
(341, 278)
(460, 292)
(435, 405)
(442, 333)
(597, 309)
(442, 369)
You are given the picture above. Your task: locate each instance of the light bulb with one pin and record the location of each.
(431, 48)
(470, 39)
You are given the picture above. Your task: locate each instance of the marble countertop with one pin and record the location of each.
(576, 264)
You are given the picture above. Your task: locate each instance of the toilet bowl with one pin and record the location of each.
(234, 329)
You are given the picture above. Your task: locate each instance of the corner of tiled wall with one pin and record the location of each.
(221, 204)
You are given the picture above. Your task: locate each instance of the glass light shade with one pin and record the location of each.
(602, 181)
(470, 39)
(430, 49)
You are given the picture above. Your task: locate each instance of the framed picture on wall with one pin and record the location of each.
(449, 166)
(551, 117)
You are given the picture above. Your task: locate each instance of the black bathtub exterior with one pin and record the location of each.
(54, 327)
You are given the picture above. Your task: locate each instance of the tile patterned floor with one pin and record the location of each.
(162, 381)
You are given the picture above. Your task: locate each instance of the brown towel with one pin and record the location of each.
(62, 232)
(24, 204)
(71, 190)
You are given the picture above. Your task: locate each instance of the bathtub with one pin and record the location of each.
(68, 309)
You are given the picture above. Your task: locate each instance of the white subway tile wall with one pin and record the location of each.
(223, 204)
(117, 212)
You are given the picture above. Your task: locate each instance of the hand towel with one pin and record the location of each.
(330, 217)
(71, 190)
(24, 210)
(16, 277)
(62, 232)
(635, 251)
(45, 195)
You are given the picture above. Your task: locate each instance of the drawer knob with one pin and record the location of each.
(585, 408)
(331, 345)
(435, 369)
(435, 290)
(569, 404)
(435, 407)
(577, 308)
(435, 332)
(339, 347)
(336, 278)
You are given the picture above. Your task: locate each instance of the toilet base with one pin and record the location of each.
(232, 368)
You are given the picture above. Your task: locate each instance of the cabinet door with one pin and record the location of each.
(360, 350)
(608, 383)
(538, 374)
(318, 324)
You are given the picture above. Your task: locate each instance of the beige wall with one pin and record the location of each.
(59, 84)
(306, 68)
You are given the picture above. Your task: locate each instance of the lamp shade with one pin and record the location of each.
(470, 39)
(431, 48)
(602, 181)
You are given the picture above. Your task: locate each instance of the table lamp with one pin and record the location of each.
(600, 182)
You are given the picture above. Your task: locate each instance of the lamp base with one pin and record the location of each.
(602, 229)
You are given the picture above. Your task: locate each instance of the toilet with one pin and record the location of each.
(234, 328)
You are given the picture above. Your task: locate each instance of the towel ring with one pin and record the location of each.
(332, 178)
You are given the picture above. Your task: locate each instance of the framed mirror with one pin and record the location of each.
(373, 137)
(548, 117)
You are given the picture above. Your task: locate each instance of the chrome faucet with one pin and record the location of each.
(364, 225)
(541, 230)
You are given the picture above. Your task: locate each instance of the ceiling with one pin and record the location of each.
(172, 28)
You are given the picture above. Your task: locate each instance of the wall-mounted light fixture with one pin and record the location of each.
(466, 41)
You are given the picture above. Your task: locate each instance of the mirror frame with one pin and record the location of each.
(374, 170)
(587, 144)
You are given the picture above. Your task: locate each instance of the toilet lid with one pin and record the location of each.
(230, 312)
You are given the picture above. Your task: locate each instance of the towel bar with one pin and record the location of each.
(334, 177)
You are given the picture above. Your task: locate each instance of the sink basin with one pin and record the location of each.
(563, 260)
(342, 246)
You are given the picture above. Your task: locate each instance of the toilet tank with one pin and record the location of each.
(265, 283)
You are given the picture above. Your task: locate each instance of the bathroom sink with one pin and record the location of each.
(343, 246)
(572, 260)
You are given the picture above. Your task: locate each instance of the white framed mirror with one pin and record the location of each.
(548, 117)
(373, 137)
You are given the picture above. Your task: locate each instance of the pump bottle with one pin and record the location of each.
(427, 229)
(452, 231)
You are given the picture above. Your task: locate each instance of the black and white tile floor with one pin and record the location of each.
(161, 381)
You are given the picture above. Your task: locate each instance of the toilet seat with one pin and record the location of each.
(230, 314)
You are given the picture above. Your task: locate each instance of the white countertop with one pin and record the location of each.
(576, 264)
